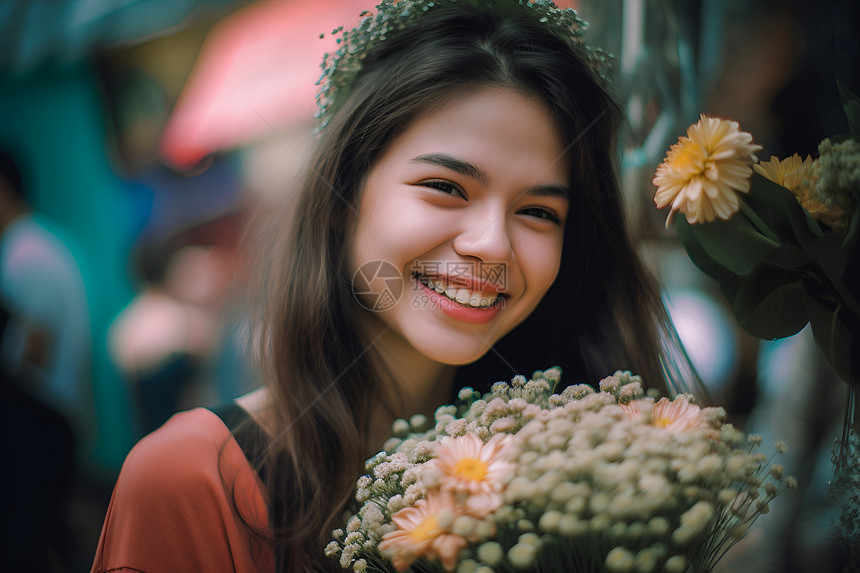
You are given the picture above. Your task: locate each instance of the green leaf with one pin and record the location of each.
(781, 212)
(851, 105)
(851, 274)
(837, 334)
(789, 257)
(733, 244)
(827, 252)
(697, 253)
(769, 302)
(852, 236)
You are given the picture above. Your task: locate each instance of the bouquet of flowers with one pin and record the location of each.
(583, 480)
(780, 237)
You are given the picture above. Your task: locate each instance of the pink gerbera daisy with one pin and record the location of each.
(678, 414)
(470, 466)
(420, 533)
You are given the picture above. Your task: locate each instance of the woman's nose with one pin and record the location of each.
(485, 236)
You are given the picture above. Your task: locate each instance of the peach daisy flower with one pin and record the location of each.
(481, 470)
(420, 532)
(677, 414)
(703, 173)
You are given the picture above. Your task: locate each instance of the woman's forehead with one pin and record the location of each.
(475, 126)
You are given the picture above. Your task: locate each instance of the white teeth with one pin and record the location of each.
(464, 296)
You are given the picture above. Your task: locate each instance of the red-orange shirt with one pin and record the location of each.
(174, 505)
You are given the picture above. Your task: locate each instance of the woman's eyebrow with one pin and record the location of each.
(549, 191)
(454, 164)
(469, 170)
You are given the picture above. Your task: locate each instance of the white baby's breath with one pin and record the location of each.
(592, 480)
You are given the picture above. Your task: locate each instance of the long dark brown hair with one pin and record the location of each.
(602, 314)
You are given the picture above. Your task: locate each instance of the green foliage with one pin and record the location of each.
(851, 105)
(780, 269)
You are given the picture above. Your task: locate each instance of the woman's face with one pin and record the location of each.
(460, 226)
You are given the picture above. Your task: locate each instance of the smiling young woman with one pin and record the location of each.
(471, 160)
(461, 193)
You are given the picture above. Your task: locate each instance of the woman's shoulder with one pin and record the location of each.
(185, 494)
(191, 442)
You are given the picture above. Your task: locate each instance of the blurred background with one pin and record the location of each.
(137, 135)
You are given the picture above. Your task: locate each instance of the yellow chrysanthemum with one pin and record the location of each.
(799, 177)
(790, 172)
(703, 173)
(421, 532)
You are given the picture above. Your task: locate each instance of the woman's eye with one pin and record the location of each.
(445, 187)
(542, 213)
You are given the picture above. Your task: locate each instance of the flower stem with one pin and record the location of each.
(758, 223)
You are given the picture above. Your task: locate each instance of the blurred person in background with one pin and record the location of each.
(48, 336)
(175, 343)
(44, 383)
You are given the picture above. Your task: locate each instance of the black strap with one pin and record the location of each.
(248, 434)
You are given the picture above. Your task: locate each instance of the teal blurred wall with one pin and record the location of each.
(55, 119)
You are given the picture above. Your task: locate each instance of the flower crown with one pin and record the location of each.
(341, 68)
